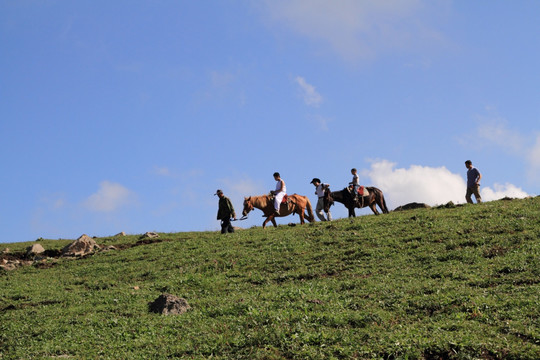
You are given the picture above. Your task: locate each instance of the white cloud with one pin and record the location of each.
(433, 186)
(310, 95)
(358, 28)
(109, 197)
(501, 191)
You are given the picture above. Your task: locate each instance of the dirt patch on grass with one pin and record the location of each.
(13, 260)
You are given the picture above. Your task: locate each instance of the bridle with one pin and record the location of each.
(249, 205)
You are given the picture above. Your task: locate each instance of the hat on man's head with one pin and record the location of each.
(218, 191)
(315, 180)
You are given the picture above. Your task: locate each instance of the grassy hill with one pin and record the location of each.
(452, 283)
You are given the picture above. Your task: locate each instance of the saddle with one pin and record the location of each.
(285, 199)
(362, 191)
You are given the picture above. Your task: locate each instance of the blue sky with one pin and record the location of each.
(128, 115)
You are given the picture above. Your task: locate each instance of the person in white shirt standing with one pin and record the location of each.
(280, 192)
(319, 191)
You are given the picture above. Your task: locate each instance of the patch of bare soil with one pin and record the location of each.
(11, 261)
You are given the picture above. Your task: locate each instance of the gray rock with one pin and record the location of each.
(83, 246)
(10, 265)
(168, 304)
(150, 235)
(411, 206)
(35, 249)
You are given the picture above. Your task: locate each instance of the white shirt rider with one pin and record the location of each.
(280, 192)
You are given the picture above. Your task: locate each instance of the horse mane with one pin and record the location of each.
(258, 200)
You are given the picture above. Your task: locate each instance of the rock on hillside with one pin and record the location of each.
(168, 304)
(35, 249)
(83, 246)
(411, 206)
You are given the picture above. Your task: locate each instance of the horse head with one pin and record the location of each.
(327, 198)
(248, 206)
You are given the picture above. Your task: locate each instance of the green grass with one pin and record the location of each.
(441, 283)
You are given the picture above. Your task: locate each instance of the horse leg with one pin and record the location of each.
(274, 221)
(374, 208)
(351, 211)
(372, 203)
(379, 199)
(301, 214)
(269, 218)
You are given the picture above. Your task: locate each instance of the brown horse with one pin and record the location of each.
(296, 204)
(345, 197)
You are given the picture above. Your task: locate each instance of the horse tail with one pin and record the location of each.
(385, 210)
(380, 200)
(309, 209)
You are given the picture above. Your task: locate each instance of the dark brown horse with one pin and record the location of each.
(345, 197)
(296, 204)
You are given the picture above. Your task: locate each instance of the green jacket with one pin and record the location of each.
(225, 209)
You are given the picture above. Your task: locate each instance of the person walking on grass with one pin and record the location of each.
(319, 191)
(473, 183)
(225, 212)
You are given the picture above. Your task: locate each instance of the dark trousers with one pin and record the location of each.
(473, 190)
(226, 226)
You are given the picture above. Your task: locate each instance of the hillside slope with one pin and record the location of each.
(450, 283)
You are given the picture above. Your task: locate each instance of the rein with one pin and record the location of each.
(242, 218)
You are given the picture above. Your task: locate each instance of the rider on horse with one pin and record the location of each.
(279, 193)
(355, 184)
